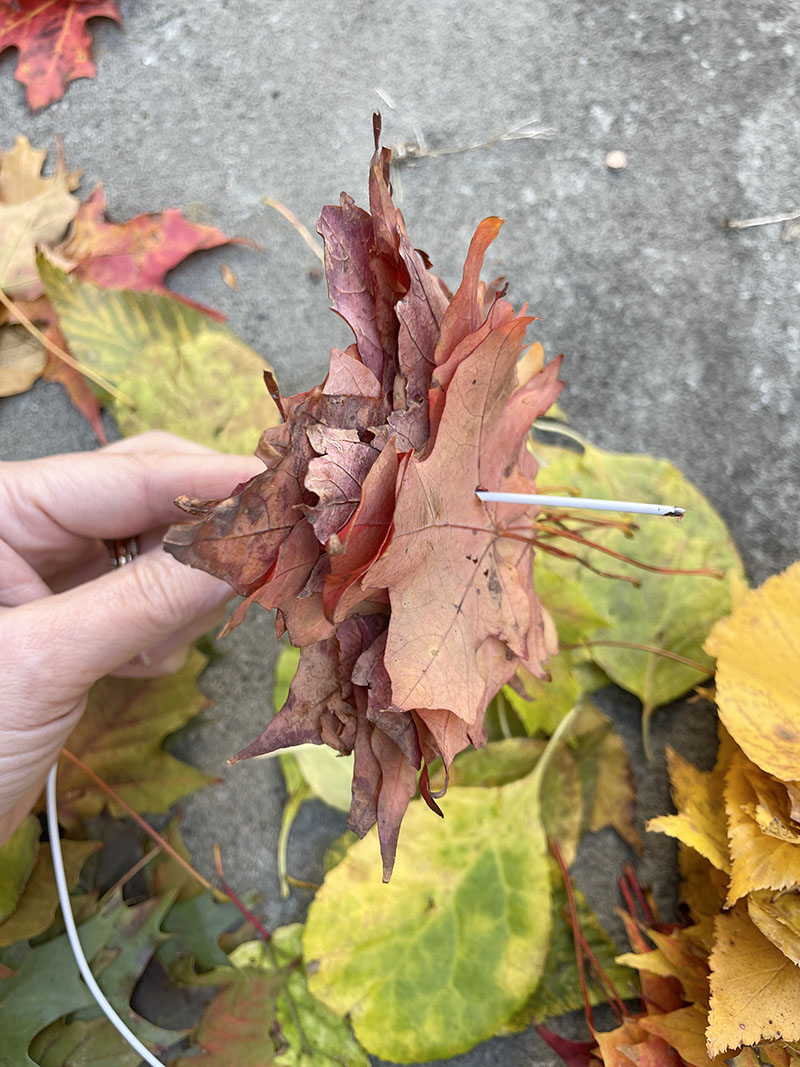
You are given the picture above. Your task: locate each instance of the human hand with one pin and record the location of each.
(66, 618)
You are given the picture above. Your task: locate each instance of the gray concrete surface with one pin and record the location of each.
(681, 339)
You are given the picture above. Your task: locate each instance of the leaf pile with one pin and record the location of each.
(410, 603)
(248, 1001)
(749, 846)
(99, 295)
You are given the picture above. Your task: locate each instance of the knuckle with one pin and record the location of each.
(161, 600)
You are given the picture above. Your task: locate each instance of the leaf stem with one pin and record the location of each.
(137, 818)
(65, 357)
(573, 911)
(266, 937)
(652, 649)
(293, 220)
(571, 536)
(131, 873)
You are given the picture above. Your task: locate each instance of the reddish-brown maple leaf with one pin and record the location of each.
(54, 44)
(457, 575)
(411, 601)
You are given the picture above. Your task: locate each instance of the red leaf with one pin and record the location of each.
(139, 253)
(384, 461)
(455, 580)
(54, 44)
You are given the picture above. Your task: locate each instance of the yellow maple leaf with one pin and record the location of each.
(755, 989)
(700, 822)
(758, 673)
(758, 860)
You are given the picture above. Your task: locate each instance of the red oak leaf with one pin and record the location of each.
(54, 44)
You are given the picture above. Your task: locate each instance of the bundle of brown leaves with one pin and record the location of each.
(412, 601)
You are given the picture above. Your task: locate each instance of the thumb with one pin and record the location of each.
(86, 632)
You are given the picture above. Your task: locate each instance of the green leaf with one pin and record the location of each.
(196, 925)
(501, 762)
(120, 738)
(315, 1036)
(17, 858)
(559, 990)
(118, 966)
(672, 612)
(84, 1043)
(337, 850)
(436, 961)
(182, 371)
(39, 902)
(573, 612)
(166, 873)
(47, 987)
(545, 702)
(607, 780)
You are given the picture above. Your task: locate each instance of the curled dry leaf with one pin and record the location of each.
(412, 602)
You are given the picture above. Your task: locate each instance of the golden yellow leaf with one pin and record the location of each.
(758, 673)
(755, 989)
(685, 1031)
(700, 822)
(703, 888)
(777, 915)
(758, 860)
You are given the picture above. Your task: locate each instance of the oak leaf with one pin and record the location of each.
(54, 44)
(755, 989)
(33, 211)
(758, 673)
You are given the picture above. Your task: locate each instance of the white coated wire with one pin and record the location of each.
(580, 502)
(72, 930)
